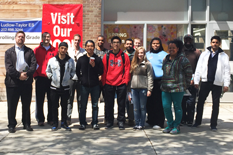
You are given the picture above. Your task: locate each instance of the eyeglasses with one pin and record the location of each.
(116, 42)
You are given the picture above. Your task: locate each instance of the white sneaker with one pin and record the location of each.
(156, 127)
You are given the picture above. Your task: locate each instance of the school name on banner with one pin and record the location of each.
(32, 29)
(62, 21)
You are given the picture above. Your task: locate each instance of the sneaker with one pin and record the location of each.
(82, 127)
(54, 128)
(156, 127)
(196, 125)
(214, 129)
(64, 126)
(182, 123)
(109, 126)
(167, 130)
(175, 131)
(141, 127)
(95, 127)
(40, 123)
(121, 125)
(68, 122)
(136, 127)
(189, 123)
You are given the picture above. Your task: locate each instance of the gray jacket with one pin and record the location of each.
(142, 76)
(53, 72)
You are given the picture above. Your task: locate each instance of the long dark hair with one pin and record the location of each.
(160, 42)
(179, 44)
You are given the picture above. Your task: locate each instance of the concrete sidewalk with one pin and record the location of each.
(190, 141)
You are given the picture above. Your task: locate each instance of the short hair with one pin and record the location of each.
(19, 32)
(115, 37)
(160, 42)
(216, 37)
(179, 44)
(90, 41)
(100, 36)
(77, 35)
(45, 33)
(129, 39)
(137, 39)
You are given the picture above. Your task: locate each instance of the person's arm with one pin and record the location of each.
(73, 69)
(103, 78)
(36, 72)
(198, 73)
(99, 66)
(187, 68)
(149, 77)
(10, 68)
(49, 70)
(32, 67)
(227, 75)
(127, 69)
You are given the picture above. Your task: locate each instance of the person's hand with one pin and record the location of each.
(148, 93)
(92, 63)
(129, 98)
(23, 76)
(196, 86)
(100, 77)
(191, 82)
(225, 89)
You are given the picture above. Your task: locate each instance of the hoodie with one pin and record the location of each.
(42, 58)
(113, 73)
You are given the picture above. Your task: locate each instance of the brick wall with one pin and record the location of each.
(16, 9)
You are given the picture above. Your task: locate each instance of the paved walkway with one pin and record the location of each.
(190, 141)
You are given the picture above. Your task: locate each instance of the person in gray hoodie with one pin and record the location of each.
(141, 85)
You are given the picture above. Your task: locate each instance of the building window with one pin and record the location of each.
(198, 10)
(124, 32)
(198, 33)
(221, 10)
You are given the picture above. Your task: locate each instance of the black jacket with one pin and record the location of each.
(12, 75)
(88, 75)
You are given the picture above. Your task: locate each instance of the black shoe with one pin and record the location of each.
(82, 127)
(11, 130)
(214, 129)
(28, 127)
(40, 123)
(121, 125)
(65, 126)
(50, 123)
(195, 125)
(182, 123)
(95, 127)
(189, 123)
(109, 126)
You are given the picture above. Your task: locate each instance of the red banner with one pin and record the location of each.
(62, 21)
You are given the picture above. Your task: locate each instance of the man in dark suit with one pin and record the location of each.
(20, 64)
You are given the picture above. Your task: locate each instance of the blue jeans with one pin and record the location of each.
(167, 99)
(139, 98)
(85, 91)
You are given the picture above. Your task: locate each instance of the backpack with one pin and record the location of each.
(123, 59)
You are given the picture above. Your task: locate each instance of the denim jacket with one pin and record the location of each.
(53, 72)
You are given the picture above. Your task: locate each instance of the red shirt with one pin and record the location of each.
(42, 58)
(114, 74)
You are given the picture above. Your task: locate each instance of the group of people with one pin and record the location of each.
(143, 82)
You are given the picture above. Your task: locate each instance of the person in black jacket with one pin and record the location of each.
(20, 64)
(88, 69)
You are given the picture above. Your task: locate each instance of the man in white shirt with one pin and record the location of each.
(75, 52)
(213, 70)
(20, 64)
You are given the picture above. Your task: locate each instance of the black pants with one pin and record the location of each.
(109, 101)
(55, 96)
(188, 105)
(13, 94)
(74, 85)
(42, 87)
(206, 87)
(129, 108)
(154, 106)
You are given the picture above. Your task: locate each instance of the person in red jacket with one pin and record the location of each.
(115, 79)
(43, 53)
